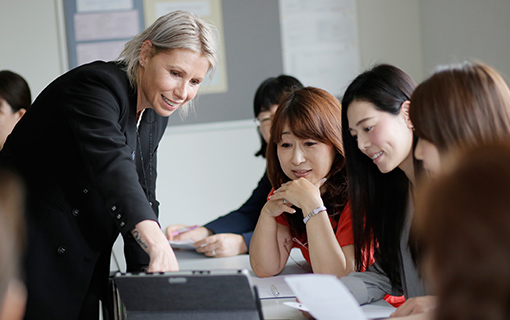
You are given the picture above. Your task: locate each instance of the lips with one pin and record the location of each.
(301, 173)
(375, 156)
(171, 104)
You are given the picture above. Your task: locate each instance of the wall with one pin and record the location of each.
(389, 32)
(208, 170)
(29, 41)
(457, 30)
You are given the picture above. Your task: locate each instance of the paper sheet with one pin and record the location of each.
(183, 244)
(326, 297)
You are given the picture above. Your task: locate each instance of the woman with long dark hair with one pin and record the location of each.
(378, 140)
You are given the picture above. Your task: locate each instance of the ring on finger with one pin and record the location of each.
(284, 201)
(213, 253)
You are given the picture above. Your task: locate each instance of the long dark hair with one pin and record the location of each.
(311, 113)
(14, 89)
(269, 93)
(379, 200)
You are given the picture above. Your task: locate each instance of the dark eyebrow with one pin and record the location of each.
(361, 121)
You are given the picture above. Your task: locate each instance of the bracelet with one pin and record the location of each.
(314, 212)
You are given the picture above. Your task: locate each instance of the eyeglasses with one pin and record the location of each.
(264, 122)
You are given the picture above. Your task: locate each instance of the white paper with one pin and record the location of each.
(375, 311)
(102, 5)
(200, 8)
(106, 51)
(183, 244)
(106, 25)
(326, 297)
(297, 305)
(320, 42)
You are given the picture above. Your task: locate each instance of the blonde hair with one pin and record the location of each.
(175, 30)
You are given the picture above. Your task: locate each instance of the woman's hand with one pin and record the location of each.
(301, 193)
(222, 245)
(195, 234)
(415, 305)
(151, 238)
(275, 206)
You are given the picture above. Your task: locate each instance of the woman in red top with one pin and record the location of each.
(306, 166)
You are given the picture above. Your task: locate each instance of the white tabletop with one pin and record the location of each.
(273, 308)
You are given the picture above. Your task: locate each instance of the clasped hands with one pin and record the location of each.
(300, 193)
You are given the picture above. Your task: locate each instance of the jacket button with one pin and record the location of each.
(61, 250)
(122, 224)
(85, 190)
(119, 216)
(76, 212)
(113, 208)
(150, 203)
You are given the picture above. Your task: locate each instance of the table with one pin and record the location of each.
(272, 308)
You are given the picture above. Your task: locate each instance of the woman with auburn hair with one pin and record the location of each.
(463, 219)
(231, 234)
(460, 105)
(308, 210)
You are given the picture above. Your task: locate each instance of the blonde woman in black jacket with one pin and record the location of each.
(78, 148)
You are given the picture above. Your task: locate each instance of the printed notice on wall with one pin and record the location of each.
(320, 42)
(210, 11)
(98, 29)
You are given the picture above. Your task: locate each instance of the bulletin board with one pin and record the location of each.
(98, 30)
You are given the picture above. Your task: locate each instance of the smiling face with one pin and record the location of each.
(304, 158)
(169, 79)
(385, 138)
(427, 152)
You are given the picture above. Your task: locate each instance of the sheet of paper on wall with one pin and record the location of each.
(320, 43)
(326, 297)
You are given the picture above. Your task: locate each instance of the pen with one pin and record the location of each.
(178, 232)
(275, 291)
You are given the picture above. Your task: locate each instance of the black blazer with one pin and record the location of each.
(76, 148)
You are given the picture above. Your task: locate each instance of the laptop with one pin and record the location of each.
(183, 295)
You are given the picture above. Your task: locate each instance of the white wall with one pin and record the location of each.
(208, 170)
(29, 41)
(389, 32)
(457, 30)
